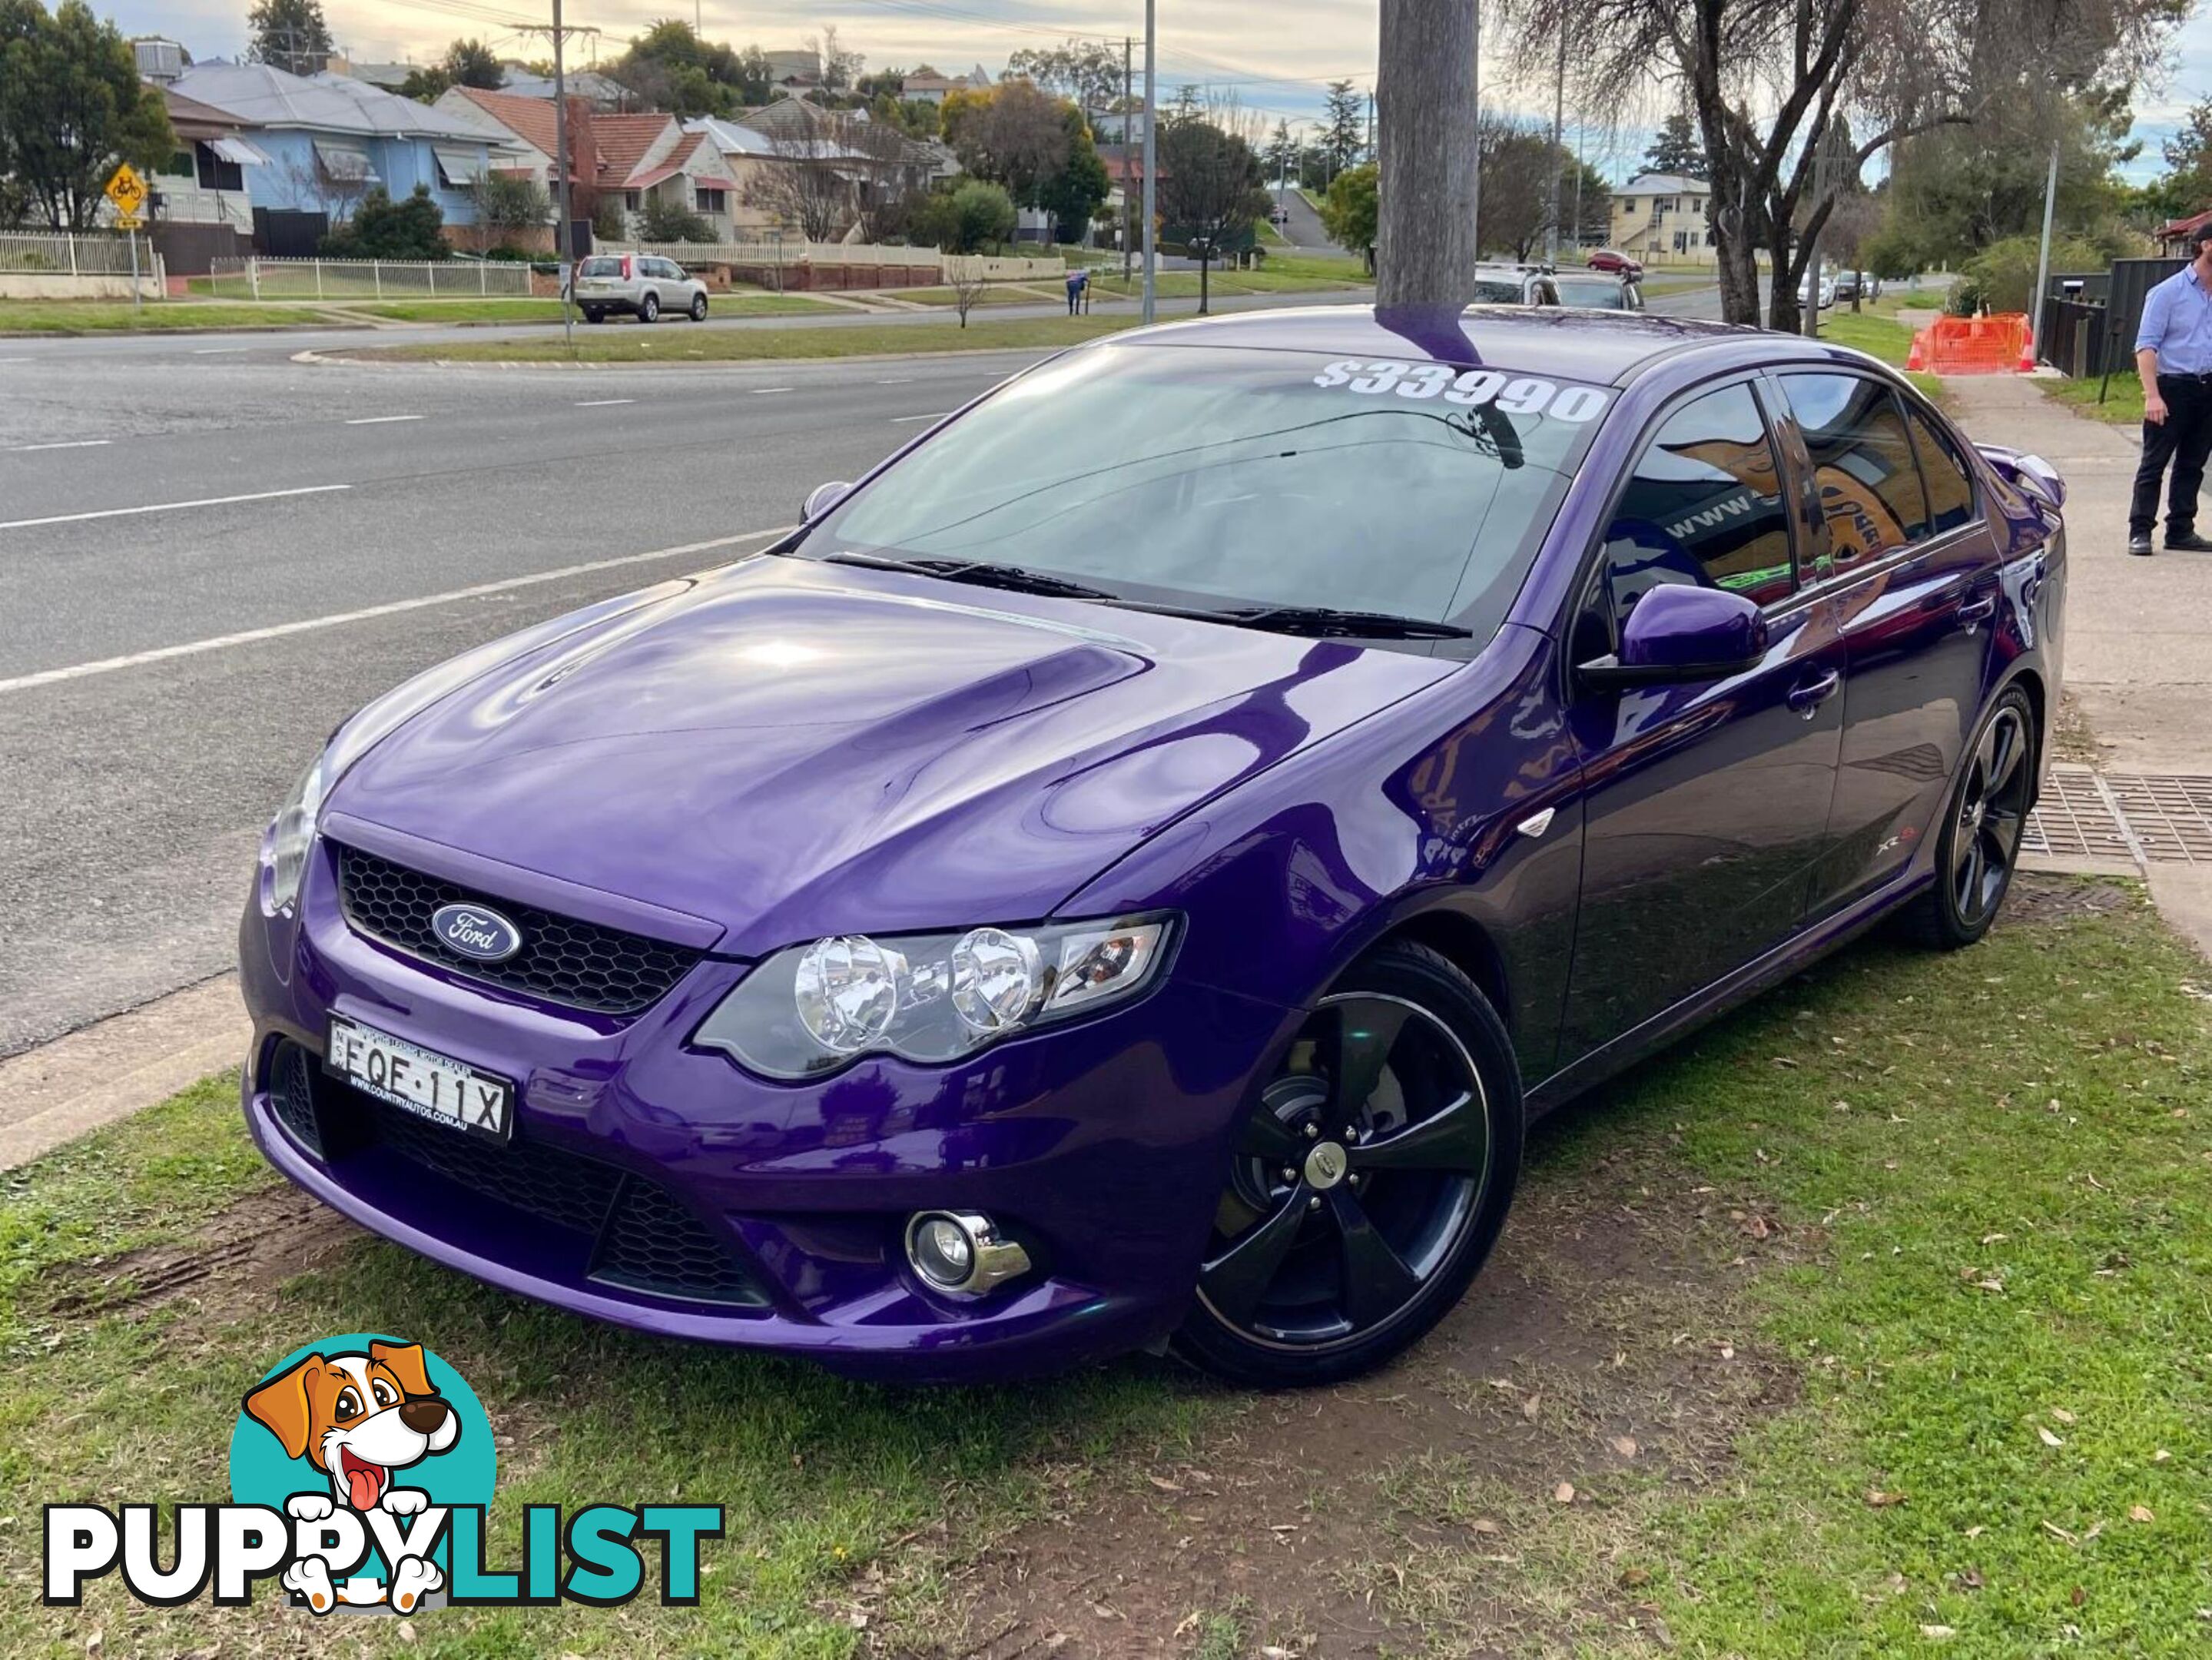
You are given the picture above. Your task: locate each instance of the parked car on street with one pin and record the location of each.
(1858, 285)
(1598, 291)
(1514, 285)
(1820, 284)
(1614, 260)
(1130, 868)
(640, 285)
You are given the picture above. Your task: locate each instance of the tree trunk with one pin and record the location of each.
(1782, 314)
(1425, 250)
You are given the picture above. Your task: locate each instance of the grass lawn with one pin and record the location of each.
(107, 316)
(2124, 396)
(1033, 294)
(675, 344)
(1956, 1223)
(549, 310)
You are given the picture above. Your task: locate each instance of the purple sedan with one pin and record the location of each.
(1127, 871)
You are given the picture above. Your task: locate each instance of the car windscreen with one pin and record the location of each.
(1216, 477)
(1586, 291)
(1497, 292)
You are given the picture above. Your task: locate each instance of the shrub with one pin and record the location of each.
(965, 219)
(381, 228)
(1998, 278)
(666, 221)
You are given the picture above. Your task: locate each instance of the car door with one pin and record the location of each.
(1906, 558)
(1706, 804)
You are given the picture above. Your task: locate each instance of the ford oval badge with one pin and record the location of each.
(476, 932)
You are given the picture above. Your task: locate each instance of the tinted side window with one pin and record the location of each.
(1703, 507)
(1862, 467)
(1950, 490)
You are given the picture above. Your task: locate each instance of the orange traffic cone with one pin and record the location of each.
(2026, 364)
(1917, 356)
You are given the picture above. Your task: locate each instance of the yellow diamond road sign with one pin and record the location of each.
(127, 191)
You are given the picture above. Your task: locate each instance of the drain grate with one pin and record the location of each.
(2076, 820)
(2171, 816)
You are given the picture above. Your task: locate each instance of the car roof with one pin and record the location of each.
(1601, 346)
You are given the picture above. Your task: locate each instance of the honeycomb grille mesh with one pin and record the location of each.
(292, 1095)
(578, 964)
(651, 1244)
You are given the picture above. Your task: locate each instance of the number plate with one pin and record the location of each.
(428, 1085)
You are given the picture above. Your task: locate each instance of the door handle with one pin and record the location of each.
(1806, 696)
(1975, 613)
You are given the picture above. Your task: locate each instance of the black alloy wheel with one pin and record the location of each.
(1977, 848)
(1369, 1184)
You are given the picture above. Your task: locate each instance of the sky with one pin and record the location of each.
(1276, 56)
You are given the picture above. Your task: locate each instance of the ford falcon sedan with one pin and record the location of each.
(1125, 873)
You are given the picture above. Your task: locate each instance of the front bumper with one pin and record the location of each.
(1102, 1145)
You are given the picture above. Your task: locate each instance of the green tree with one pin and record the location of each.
(381, 228)
(973, 215)
(2185, 188)
(470, 64)
(669, 68)
(1349, 212)
(1209, 192)
(72, 108)
(1013, 134)
(290, 35)
(1343, 126)
(667, 219)
(426, 85)
(1087, 71)
(1677, 149)
(1074, 194)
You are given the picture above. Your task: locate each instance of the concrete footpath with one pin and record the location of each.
(2138, 631)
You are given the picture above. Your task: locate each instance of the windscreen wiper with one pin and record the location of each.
(1326, 622)
(980, 571)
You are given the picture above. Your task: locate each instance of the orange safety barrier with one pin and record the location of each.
(1974, 345)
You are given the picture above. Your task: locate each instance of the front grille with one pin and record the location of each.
(637, 1235)
(579, 964)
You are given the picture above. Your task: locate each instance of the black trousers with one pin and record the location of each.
(2184, 438)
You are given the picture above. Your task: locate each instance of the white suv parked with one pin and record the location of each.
(640, 283)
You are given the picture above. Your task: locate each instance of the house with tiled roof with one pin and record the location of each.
(637, 159)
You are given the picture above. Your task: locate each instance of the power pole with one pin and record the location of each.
(1475, 212)
(1425, 252)
(1128, 90)
(563, 231)
(1152, 159)
(1558, 121)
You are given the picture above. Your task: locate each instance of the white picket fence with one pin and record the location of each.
(258, 278)
(58, 253)
(797, 250)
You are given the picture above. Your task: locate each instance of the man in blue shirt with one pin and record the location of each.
(2173, 356)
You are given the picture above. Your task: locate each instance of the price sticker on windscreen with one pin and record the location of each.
(1515, 394)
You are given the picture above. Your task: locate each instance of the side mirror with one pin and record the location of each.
(1677, 633)
(2029, 473)
(822, 499)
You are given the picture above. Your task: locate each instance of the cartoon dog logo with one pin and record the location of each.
(358, 1418)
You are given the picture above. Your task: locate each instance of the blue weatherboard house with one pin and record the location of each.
(329, 139)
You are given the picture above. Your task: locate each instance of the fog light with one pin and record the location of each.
(961, 1252)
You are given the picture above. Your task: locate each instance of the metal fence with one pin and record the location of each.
(260, 278)
(58, 253)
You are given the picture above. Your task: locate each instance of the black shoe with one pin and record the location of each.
(2141, 545)
(2188, 541)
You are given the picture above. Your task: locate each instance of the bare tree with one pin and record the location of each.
(1768, 81)
(798, 181)
(968, 285)
(1425, 245)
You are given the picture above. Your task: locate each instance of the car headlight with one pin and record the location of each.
(291, 835)
(929, 998)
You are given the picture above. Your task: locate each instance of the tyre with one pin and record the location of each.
(1984, 815)
(649, 309)
(698, 308)
(594, 314)
(1368, 1184)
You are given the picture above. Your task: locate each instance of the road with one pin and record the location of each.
(210, 554)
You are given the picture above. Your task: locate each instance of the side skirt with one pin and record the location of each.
(1761, 974)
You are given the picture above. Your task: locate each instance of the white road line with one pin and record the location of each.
(169, 507)
(380, 420)
(72, 444)
(897, 420)
(604, 403)
(368, 613)
(763, 391)
(902, 381)
(218, 351)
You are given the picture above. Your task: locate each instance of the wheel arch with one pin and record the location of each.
(2030, 681)
(1464, 943)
